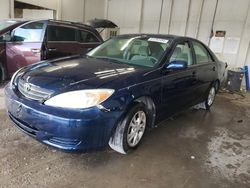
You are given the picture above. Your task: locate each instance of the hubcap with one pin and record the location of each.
(136, 128)
(211, 96)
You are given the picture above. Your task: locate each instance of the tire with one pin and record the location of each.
(130, 130)
(210, 97)
(217, 86)
(2, 73)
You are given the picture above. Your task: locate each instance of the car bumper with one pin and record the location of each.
(72, 130)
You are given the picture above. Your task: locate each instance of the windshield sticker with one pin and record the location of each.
(158, 40)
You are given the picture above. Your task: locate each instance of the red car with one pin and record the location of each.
(24, 42)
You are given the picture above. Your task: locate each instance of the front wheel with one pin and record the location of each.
(130, 131)
(210, 97)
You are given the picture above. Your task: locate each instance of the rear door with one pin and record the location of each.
(87, 41)
(25, 45)
(205, 69)
(61, 41)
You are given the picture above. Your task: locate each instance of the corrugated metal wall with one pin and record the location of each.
(192, 18)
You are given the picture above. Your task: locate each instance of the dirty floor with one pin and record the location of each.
(195, 149)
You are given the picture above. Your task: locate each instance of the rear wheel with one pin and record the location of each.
(130, 131)
(210, 97)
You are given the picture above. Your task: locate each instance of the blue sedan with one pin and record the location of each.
(111, 95)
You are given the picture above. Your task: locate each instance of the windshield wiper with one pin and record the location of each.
(109, 59)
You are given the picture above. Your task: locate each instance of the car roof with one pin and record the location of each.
(59, 22)
(69, 23)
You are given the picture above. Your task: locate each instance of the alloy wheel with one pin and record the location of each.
(211, 96)
(136, 128)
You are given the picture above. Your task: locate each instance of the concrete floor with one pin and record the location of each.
(195, 149)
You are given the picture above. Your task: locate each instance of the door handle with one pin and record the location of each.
(52, 49)
(213, 69)
(194, 73)
(36, 51)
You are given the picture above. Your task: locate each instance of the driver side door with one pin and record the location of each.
(25, 45)
(178, 86)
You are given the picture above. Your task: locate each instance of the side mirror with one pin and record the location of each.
(6, 37)
(177, 65)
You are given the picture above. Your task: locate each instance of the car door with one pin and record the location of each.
(25, 45)
(205, 69)
(61, 41)
(178, 86)
(86, 41)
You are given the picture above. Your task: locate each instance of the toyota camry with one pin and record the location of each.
(111, 95)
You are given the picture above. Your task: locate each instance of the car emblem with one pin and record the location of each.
(27, 87)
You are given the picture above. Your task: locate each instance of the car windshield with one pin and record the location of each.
(4, 24)
(141, 51)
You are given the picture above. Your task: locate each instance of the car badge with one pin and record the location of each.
(27, 87)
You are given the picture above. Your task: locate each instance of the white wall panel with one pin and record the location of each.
(4, 9)
(72, 10)
(165, 16)
(231, 18)
(206, 20)
(150, 17)
(194, 16)
(179, 16)
(126, 14)
(94, 9)
(37, 14)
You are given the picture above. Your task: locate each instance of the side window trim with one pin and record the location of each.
(43, 31)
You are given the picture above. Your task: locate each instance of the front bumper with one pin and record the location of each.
(66, 129)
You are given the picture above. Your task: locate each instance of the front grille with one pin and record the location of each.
(33, 92)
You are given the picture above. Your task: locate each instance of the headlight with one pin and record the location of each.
(80, 99)
(15, 76)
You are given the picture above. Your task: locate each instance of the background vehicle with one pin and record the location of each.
(112, 95)
(24, 42)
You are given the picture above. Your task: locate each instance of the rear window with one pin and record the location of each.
(85, 36)
(58, 33)
(201, 54)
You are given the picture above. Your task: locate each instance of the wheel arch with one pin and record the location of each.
(116, 138)
(149, 104)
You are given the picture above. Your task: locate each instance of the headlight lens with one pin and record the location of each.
(80, 99)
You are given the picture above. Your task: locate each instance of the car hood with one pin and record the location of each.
(80, 73)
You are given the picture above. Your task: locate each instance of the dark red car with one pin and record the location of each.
(24, 42)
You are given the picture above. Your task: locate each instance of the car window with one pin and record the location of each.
(59, 33)
(31, 32)
(85, 36)
(182, 52)
(141, 51)
(201, 54)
